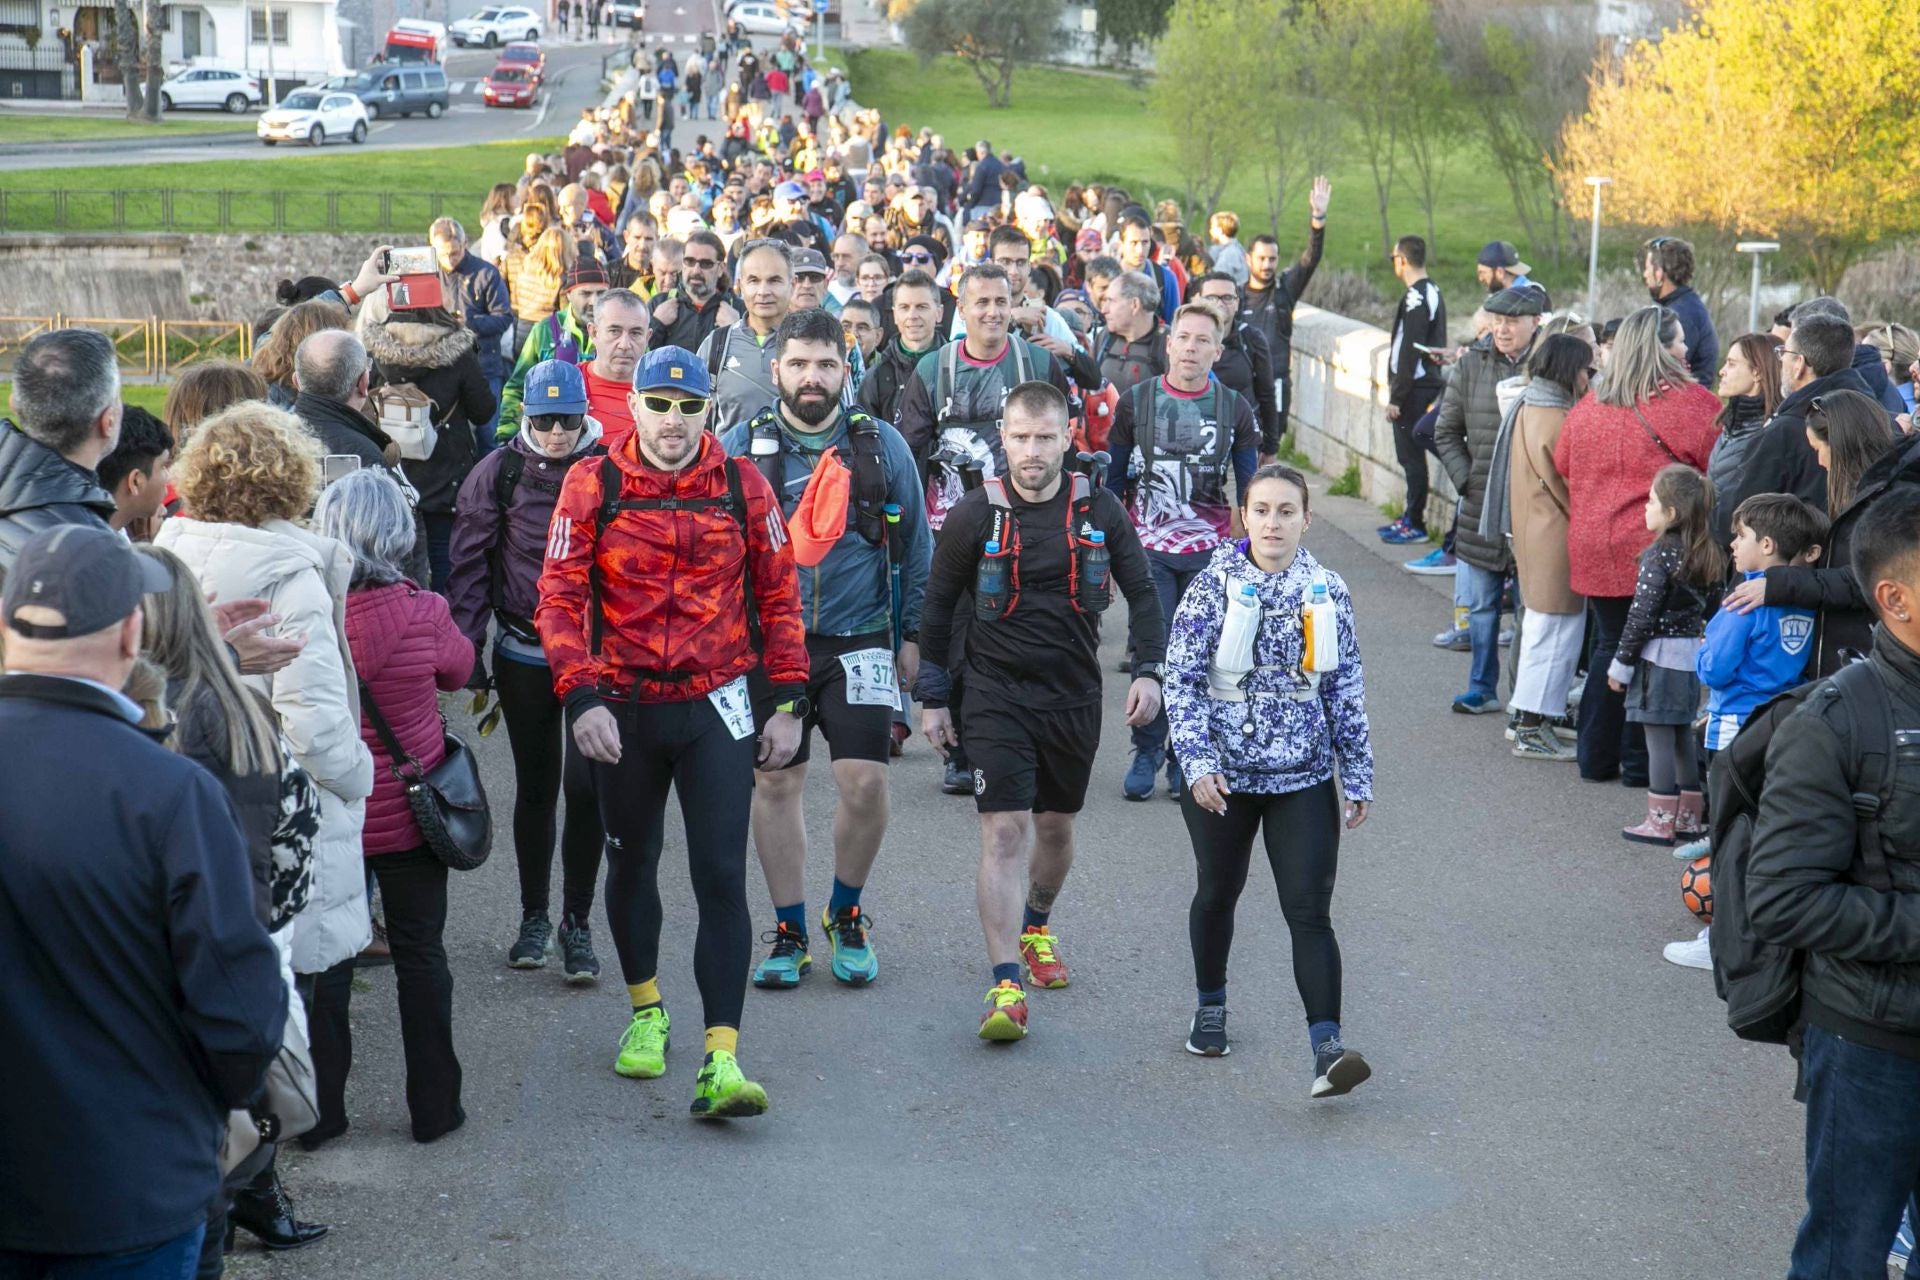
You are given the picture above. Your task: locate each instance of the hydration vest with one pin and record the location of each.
(1003, 528)
(869, 468)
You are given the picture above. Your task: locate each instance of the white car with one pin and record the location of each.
(763, 18)
(315, 116)
(211, 87)
(495, 25)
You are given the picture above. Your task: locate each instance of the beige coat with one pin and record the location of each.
(1538, 497)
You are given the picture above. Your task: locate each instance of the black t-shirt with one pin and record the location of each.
(1044, 654)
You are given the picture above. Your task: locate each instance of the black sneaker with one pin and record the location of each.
(1337, 1070)
(576, 947)
(958, 782)
(535, 944)
(1208, 1034)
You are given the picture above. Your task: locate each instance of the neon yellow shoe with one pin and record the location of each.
(643, 1049)
(1040, 953)
(1006, 1016)
(721, 1092)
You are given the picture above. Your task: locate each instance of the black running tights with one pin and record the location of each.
(1302, 834)
(686, 747)
(545, 763)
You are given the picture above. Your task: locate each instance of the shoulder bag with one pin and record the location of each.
(448, 801)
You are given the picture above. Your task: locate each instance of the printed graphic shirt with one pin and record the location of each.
(1180, 504)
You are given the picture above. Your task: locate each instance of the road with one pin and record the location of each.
(1550, 1098)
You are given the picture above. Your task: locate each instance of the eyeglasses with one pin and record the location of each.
(916, 257)
(701, 264)
(691, 407)
(1789, 351)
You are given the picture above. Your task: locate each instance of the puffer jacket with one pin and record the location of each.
(1745, 415)
(445, 366)
(535, 290)
(1294, 740)
(40, 489)
(404, 647)
(303, 578)
(1665, 604)
(1805, 884)
(1464, 436)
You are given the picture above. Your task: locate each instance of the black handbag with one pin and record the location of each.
(448, 801)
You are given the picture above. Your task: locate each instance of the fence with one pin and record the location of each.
(172, 209)
(146, 348)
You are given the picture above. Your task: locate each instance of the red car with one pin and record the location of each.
(509, 85)
(523, 54)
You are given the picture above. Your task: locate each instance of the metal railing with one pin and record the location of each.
(150, 347)
(178, 209)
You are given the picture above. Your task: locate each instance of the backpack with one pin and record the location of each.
(564, 345)
(1157, 358)
(949, 374)
(869, 468)
(1761, 981)
(406, 414)
(717, 354)
(1003, 529)
(1225, 406)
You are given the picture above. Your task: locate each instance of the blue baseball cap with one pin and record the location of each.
(554, 386)
(790, 190)
(673, 367)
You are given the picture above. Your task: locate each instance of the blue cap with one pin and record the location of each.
(674, 367)
(790, 190)
(554, 386)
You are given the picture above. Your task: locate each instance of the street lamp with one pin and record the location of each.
(1593, 247)
(1759, 249)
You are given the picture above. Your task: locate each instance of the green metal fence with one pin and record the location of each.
(170, 209)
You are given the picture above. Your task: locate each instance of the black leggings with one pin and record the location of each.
(1672, 765)
(684, 746)
(545, 762)
(1302, 833)
(1412, 455)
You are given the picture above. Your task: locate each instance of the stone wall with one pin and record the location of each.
(232, 276)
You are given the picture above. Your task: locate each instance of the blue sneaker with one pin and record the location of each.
(853, 960)
(1476, 704)
(1142, 774)
(1405, 535)
(1386, 531)
(787, 961)
(1459, 640)
(1436, 563)
(1176, 782)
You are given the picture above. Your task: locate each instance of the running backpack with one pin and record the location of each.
(506, 480)
(1003, 531)
(1759, 980)
(869, 468)
(717, 354)
(1225, 410)
(949, 373)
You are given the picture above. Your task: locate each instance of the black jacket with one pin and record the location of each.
(886, 379)
(200, 734)
(343, 429)
(1246, 365)
(1781, 459)
(143, 1000)
(1805, 883)
(444, 365)
(1873, 372)
(1740, 425)
(1665, 604)
(690, 326)
(40, 489)
(1271, 310)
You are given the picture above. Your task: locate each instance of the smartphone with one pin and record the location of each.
(1432, 351)
(411, 262)
(336, 465)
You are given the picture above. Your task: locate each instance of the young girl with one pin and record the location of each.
(1259, 748)
(1654, 663)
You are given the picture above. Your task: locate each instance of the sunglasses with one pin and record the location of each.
(542, 425)
(916, 257)
(691, 407)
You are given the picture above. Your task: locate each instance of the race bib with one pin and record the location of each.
(736, 712)
(871, 678)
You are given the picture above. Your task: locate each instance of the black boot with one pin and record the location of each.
(265, 1210)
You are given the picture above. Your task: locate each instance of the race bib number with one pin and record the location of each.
(871, 678)
(736, 712)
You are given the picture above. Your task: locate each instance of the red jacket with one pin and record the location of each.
(1609, 461)
(601, 206)
(405, 646)
(672, 584)
(607, 402)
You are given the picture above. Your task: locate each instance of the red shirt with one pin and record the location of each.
(607, 402)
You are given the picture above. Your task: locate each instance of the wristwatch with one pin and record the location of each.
(799, 706)
(1153, 671)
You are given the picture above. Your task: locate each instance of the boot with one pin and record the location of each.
(265, 1210)
(1690, 816)
(1658, 828)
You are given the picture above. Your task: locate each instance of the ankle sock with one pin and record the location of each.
(1318, 1033)
(1007, 973)
(1034, 919)
(1218, 997)
(644, 994)
(844, 895)
(794, 917)
(723, 1039)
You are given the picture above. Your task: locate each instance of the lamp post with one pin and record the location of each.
(1759, 249)
(1593, 246)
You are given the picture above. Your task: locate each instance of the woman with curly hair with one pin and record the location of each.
(247, 475)
(273, 358)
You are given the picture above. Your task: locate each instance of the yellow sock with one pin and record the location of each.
(644, 993)
(723, 1038)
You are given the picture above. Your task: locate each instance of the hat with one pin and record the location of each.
(816, 175)
(931, 245)
(859, 209)
(819, 519)
(1073, 295)
(554, 386)
(675, 369)
(89, 576)
(585, 270)
(1522, 301)
(1502, 254)
(1089, 238)
(790, 190)
(809, 262)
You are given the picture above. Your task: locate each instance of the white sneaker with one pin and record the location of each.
(1693, 849)
(1690, 955)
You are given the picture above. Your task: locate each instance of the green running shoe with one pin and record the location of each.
(787, 961)
(643, 1049)
(722, 1093)
(853, 960)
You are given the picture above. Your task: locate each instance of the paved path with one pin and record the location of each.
(1549, 1098)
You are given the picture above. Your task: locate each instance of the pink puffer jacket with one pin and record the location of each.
(405, 646)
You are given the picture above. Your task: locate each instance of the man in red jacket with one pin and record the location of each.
(663, 562)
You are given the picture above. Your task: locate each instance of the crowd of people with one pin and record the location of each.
(680, 454)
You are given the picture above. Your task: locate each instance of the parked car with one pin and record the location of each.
(509, 85)
(629, 13)
(314, 116)
(401, 90)
(530, 56)
(763, 18)
(233, 91)
(496, 25)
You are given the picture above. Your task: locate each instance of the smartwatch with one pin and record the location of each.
(798, 706)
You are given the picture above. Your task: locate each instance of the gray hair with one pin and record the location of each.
(1823, 306)
(618, 298)
(1135, 285)
(329, 364)
(1642, 364)
(62, 383)
(447, 229)
(366, 511)
(770, 244)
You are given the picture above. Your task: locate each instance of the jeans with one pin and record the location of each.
(1863, 1156)
(176, 1259)
(1169, 583)
(1608, 745)
(483, 441)
(439, 547)
(1484, 588)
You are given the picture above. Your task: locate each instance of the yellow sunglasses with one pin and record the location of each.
(689, 408)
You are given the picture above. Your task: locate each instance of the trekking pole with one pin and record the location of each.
(896, 552)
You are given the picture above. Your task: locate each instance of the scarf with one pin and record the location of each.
(1496, 512)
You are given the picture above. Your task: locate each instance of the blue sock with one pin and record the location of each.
(1034, 919)
(1321, 1032)
(1007, 973)
(794, 917)
(844, 895)
(1218, 997)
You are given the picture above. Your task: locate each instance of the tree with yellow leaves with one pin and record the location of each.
(1793, 119)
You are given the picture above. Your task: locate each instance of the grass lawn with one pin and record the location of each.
(18, 127)
(149, 396)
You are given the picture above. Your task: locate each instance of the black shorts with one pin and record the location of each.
(854, 731)
(1027, 760)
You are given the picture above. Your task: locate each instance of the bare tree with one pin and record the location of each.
(156, 67)
(126, 51)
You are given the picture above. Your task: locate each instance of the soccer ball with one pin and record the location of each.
(1696, 888)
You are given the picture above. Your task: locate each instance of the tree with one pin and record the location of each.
(126, 48)
(1797, 120)
(1430, 135)
(1374, 58)
(1207, 71)
(156, 64)
(1303, 126)
(992, 37)
(1129, 24)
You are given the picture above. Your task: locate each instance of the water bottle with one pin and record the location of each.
(1096, 574)
(990, 583)
(1321, 651)
(1233, 656)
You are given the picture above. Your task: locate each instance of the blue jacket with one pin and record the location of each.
(483, 297)
(850, 593)
(1696, 326)
(1746, 659)
(142, 997)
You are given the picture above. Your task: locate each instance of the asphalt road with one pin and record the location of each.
(1549, 1097)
